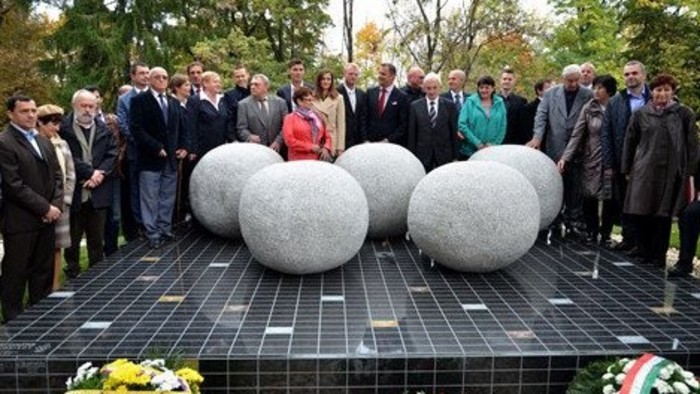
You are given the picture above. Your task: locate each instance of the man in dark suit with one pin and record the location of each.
(158, 127)
(32, 191)
(414, 84)
(131, 206)
(296, 76)
(527, 117)
(194, 72)
(94, 152)
(355, 107)
(432, 126)
(515, 133)
(456, 93)
(238, 92)
(261, 115)
(387, 109)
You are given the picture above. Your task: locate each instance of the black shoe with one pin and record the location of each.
(70, 274)
(654, 263)
(635, 252)
(155, 243)
(167, 237)
(680, 270)
(623, 246)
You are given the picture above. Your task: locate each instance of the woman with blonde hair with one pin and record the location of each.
(330, 104)
(49, 119)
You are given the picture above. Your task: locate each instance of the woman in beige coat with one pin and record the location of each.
(329, 103)
(49, 121)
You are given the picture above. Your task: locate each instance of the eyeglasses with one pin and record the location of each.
(161, 77)
(55, 119)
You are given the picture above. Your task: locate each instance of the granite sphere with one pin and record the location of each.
(539, 170)
(388, 173)
(217, 182)
(474, 216)
(303, 217)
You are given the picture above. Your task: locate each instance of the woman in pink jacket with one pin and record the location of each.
(304, 130)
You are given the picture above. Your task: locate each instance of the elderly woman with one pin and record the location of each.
(210, 123)
(482, 120)
(659, 155)
(49, 119)
(329, 103)
(584, 147)
(180, 88)
(305, 131)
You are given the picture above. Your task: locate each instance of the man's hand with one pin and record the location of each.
(162, 153)
(460, 136)
(534, 143)
(325, 155)
(193, 156)
(95, 180)
(561, 166)
(315, 149)
(181, 154)
(254, 138)
(52, 215)
(276, 146)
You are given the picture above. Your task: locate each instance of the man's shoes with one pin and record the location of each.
(654, 263)
(635, 252)
(680, 270)
(167, 237)
(71, 274)
(155, 243)
(623, 246)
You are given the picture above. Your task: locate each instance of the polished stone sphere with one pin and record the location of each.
(539, 170)
(303, 217)
(388, 173)
(475, 216)
(217, 182)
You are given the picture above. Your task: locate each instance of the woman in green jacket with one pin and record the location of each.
(482, 121)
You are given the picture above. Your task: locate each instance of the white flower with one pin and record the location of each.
(687, 374)
(681, 388)
(167, 381)
(608, 376)
(69, 383)
(628, 366)
(662, 387)
(158, 363)
(623, 361)
(665, 373)
(84, 367)
(692, 383)
(620, 378)
(609, 389)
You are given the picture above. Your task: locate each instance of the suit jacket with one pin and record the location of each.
(355, 131)
(413, 94)
(426, 141)
(393, 122)
(123, 111)
(515, 132)
(527, 117)
(104, 157)
(251, 120)
(552, 112)
(152, 133)
(209, 127)
(285, 92)
(30, 183)
(231, 99)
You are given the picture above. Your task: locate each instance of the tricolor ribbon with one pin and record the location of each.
(644, 372)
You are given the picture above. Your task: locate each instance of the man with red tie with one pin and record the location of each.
(387, 109)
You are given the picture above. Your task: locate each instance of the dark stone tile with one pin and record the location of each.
(423, 379)
(477, 377)
(420, 364)
(243, 381)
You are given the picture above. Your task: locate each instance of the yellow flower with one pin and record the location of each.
(190, 375)
(127, 374)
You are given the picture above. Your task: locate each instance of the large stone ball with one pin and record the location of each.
(474, 216)
(538, 168)
(217, 182)
(388, 173)
(303, 217)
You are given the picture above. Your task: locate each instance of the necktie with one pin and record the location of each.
(380, 103)
(458, 102)
(163, 107)
(432, 114)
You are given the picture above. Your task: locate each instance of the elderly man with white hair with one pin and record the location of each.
(94, 152)
(557, 115)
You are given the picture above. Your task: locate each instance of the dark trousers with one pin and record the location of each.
(654, 234)
(91, 222)
(112, 220)
(132, 173)
(629, 232)
(573, 195)
(28, 260)
(598, 225)
(182, 206)
(130, 226)
(689, 227)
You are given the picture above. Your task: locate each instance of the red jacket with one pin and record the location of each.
(298, 138)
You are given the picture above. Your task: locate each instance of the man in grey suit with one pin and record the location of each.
(260, 115)
(432, 126)
(557, 113)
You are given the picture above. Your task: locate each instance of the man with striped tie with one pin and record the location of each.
(432, 126)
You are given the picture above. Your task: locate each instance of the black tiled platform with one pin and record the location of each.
(385, 322)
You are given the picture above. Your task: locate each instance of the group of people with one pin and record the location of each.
(94, 174)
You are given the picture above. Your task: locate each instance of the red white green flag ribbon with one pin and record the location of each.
(644, 372)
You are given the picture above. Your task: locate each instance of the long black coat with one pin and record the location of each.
(104, 158)
(30, 183)
(659, 153)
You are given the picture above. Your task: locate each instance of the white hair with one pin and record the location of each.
(432, 77)
(263, 78)
(80, 93)
(571, 69)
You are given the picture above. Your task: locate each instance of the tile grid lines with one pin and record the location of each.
(294, 322)
(240, 328)
(154, 304)
(432, 296)
(269, 316)
(320, 318)
(641, 290)
(228, 301)
(345, 310)
(567, 317)
(388, 294)
(366, 294)
(201, 306)
(105, 288)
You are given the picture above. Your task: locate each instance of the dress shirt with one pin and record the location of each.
(636, 102)
(30, 135)
(351, 96)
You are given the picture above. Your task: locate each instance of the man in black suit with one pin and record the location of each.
(515, 133)
(194, 72)
(238, 92)
(32, 192)
(387, 109)
(456, 93)
(296, 76)
(432, 126)
(355, 107)
(530, 110)
(94, 150)
(158, 127)
(414, 84)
